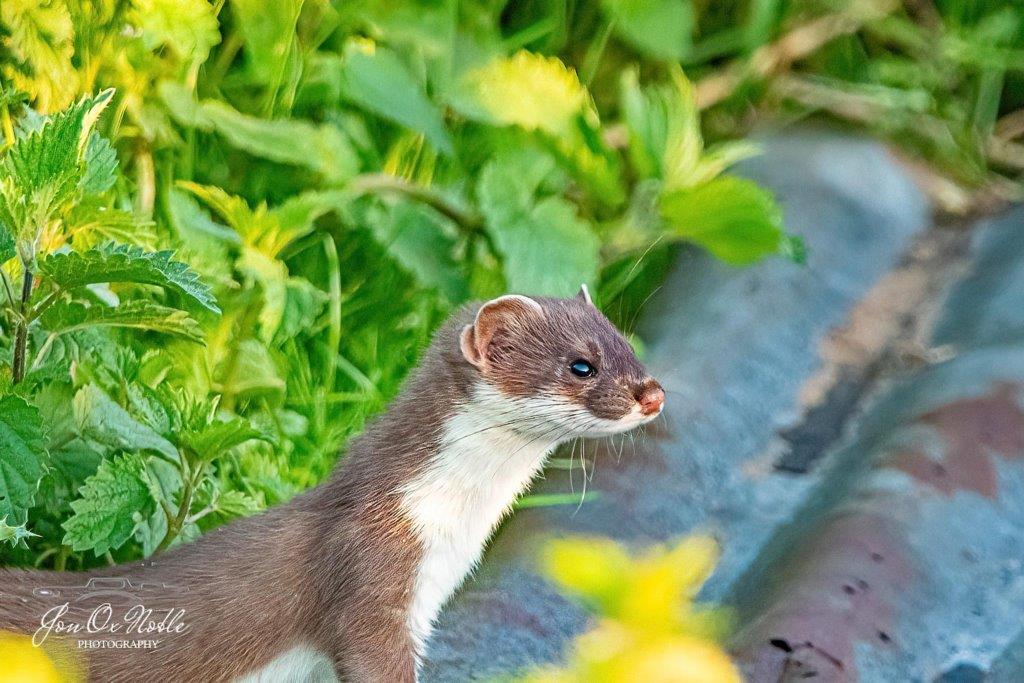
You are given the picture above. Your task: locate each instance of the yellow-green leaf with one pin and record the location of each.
(733, 218)
(187, 27)
(526, 90)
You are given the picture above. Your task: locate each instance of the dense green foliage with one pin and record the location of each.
(227, 229)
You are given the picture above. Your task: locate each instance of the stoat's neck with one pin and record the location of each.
(483, 461)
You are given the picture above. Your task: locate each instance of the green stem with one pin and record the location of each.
(62, 558)
(383, 183)
(7, 287)
(334, 334)
(593, 57)
(228, 50)
(145, 178)
(21, 335)
(175, 524)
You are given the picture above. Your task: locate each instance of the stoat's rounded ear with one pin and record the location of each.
(585, 294)
(505, 312)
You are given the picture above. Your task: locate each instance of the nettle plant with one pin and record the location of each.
(69, 407)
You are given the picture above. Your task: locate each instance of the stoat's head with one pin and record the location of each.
(559, 364)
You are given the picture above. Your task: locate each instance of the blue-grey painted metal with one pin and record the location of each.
(733, 347)
(906, 561)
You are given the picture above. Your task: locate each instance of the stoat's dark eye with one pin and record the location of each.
(582, 368)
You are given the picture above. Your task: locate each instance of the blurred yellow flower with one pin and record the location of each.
(23, 662)
(650, 630)
(528, 90)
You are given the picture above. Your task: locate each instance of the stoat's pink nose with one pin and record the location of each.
(651, 398)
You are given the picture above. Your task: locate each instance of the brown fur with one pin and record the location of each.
(334, 568)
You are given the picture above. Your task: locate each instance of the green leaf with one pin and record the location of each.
(733, 218)
(551, 252)
(141, 314)
(182, 104)
(7, 250)
(236, 504)
(268, 230)
(164, 482)
(21, 456)
(214, 439)
(250, 371)
(528, 90)
(100, 166)
(186, 27)
(376, 79)
(103, 422)
(659, 28)
(39, 46)
(323, 148)
(43, 169)
(272, 276)
(303, 303)
(49, 156)
(125, 263)
(113, 502)
(546, 248)
(268, 29)
(15, 535)
(415, 237)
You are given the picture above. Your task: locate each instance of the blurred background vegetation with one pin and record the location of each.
(334, 178)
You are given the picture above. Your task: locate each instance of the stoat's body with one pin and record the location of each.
(346, 580)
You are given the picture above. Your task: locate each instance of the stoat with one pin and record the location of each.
(344, 582)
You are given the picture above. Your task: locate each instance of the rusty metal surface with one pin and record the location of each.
(897, 551)
(906, 562)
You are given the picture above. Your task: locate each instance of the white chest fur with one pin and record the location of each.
(484, 463)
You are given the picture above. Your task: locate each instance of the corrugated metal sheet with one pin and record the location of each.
(852, 431)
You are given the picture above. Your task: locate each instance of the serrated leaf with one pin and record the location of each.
(140, 314)
(546, 248)
(90, 225)
(733, 218)
(376, 79)
(659, 28)
(44, 167)
(214, 439)
(21, 456)
(236, 504)
(15, 535)
(105, 423)
(51, 153)
(551, 251)
(112, 504)
(100, 166)
(126, 263)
